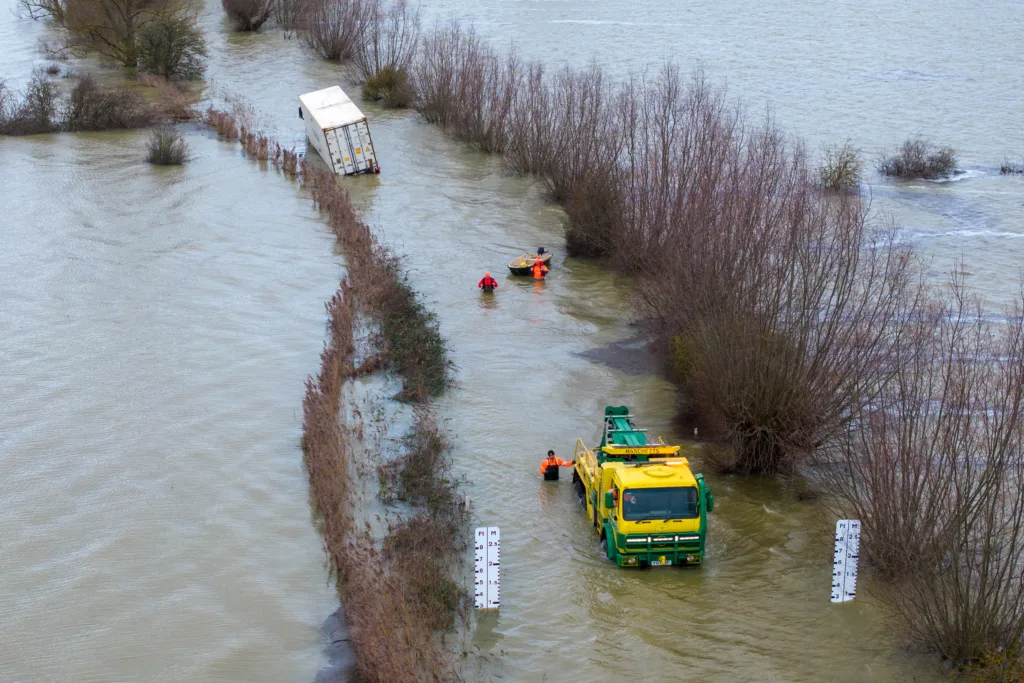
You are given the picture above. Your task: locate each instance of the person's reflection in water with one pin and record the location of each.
(488, 303)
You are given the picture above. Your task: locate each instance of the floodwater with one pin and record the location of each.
(158, 324)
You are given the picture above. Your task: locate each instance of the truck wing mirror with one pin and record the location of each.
(711, 500)
(609, 500)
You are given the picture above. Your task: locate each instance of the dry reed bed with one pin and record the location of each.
(398, 595)
(400, 592)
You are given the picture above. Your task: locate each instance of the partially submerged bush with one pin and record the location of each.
(91, 107)
(389, 86)
(332, 29)
(1011, 167)
(172, 47)
(933, 468)
(167, 147)
(840, 167)
(248, 15)
(919, 158)
(36, 111)
(386, 52)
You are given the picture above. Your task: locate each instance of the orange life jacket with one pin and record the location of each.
(539, 269)
(547, 464)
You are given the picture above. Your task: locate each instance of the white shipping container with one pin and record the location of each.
(338, 131)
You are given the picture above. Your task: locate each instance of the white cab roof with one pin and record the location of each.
(331, 107)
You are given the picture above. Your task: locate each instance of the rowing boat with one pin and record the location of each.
(521, 265)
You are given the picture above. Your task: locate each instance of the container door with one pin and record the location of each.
(341, 155)
(367, 143)
(358, 155)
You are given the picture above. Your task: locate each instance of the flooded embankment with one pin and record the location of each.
(159, 324)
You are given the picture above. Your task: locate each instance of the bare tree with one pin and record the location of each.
(111, 27)
(934, 468)
(333, 29)
(55, 10)
(289, 14)
(386, 50)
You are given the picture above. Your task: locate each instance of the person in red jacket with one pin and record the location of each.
(549, 466)
(488, 283)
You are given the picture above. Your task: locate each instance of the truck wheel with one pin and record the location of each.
(581, 493)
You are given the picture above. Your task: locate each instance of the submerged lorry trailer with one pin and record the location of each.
(338, 131)
(646, 505)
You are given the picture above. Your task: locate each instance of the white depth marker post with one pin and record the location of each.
(487, 556)
(844, 563)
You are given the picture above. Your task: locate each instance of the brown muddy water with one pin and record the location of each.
(158, 324)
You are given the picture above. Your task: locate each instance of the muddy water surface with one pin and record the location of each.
(158, 326)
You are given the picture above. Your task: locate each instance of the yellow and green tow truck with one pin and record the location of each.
(648, 508)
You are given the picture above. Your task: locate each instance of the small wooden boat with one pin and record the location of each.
(521, 265)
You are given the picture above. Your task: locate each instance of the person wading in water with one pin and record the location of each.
(539, 270)
(549, 466)
(488, 283)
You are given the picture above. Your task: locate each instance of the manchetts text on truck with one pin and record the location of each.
(648, 508)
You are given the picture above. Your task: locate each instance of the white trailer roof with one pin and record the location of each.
(331, 107)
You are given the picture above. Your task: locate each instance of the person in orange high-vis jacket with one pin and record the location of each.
(549, 466)
(539, 270)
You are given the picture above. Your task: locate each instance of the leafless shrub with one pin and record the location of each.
(54, 10)
(933, 468)
(167, 147)
(91, 107)
(840, 167)
(1009, 167)
(780, 300)
(531, 123)
(919, 158)
(388, 47)
(35, 112)
(333, 29)
(289, 13)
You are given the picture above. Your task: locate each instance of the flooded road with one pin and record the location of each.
(158, 325)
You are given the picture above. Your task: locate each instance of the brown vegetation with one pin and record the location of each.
(91, 107)
(400, 591)
(398, 594)
(918, 158)
(840, 167)
(87, 107)
(332, 29)
(35, 112)
(159, 35)
(383, 56)
(248, 15)
(780, 298)
(1009, 167)
(167, 148)
(934, 468)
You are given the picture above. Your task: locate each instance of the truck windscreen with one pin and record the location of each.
(671, 503)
